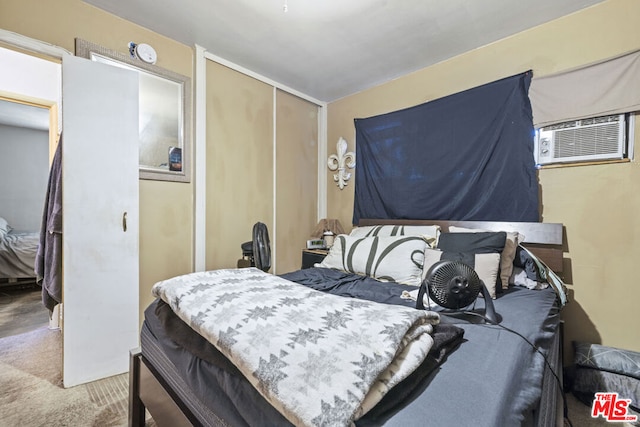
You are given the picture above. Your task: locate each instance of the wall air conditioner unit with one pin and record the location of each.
(598, 138)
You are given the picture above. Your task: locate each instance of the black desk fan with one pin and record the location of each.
(455, 285)
(258, 250)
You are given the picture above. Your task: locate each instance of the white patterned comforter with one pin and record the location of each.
(320, 359)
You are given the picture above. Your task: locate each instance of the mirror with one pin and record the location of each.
(165, 112)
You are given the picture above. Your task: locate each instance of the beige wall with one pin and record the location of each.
(166, 208)
(239, 162)
(598, 204)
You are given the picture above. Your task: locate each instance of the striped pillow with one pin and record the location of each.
(388, 258)
(430, 232)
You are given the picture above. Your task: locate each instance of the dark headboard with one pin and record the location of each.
(543, 239)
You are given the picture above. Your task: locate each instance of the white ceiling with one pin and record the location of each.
(328, 49)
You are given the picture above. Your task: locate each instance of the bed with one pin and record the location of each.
(473, 374)
(17, 252)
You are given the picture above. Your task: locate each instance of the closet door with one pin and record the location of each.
(100, 219)
(296, 178)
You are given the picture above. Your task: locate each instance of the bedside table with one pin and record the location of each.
(312, 256)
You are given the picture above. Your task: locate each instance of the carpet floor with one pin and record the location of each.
(21, 310)
(31, 372)
(32, 392)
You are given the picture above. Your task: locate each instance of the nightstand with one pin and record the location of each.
(312, 256)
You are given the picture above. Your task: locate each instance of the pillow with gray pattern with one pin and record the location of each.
(387, 258)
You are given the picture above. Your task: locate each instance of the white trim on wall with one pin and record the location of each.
(263, 79)
(51, 94)
(274, 160)
(322, 165)
(32, 45)
(200, 160)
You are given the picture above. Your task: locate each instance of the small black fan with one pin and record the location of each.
(455, 285)
(261, 246)
(257, 252)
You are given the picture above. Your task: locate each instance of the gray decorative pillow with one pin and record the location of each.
(390, 258)
(485, 265)
(507, 255)
(476, 243)
(611, 359)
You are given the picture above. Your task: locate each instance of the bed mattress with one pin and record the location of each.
(154, 353)
(494, 377)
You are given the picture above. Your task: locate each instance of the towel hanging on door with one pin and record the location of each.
(48, 266)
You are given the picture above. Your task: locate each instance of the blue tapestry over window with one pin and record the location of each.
(467, 156)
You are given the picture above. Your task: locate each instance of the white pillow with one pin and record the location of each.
(430, 232)
(485, 265)
(4, 226)
(388, 258)
(508, 253)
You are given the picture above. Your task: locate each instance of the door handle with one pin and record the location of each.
(124, 222)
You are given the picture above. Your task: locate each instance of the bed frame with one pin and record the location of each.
(149, 390)
(545, 240)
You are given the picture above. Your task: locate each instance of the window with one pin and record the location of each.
(588, 140)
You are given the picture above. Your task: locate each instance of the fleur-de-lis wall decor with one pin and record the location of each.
(340, 162)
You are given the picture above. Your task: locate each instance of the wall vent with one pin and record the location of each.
(599, 138)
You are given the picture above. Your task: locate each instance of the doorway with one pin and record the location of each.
(24, 140)
(99, 174)
(30, 91)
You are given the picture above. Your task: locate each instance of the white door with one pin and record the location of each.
(100, 219)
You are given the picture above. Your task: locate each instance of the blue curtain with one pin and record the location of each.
(467, 156)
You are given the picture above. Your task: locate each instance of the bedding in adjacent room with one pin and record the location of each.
(17, 252)
(4, 227)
